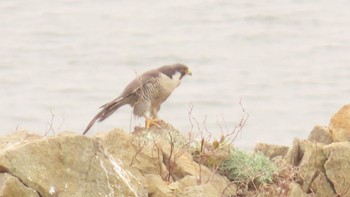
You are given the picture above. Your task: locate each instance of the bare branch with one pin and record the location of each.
(137, 152)
(49, 125)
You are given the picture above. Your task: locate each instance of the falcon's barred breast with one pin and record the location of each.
(145, 93)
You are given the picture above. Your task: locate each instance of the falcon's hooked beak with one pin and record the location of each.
(189, 72)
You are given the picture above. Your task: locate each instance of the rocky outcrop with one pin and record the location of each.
(12, 186)
(68, 165)
(270, 150)
(337, 167)
(115, 163)
(158, 163)
(309, 158)
(320, 165)
(321, 134)
(323, 160)
(339, 124)
(323, 170)
(295, 191)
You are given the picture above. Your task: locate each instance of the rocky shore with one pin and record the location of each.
(161, 162)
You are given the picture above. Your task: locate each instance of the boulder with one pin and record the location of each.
(68, 165)
(134, 152)
(294, 154)
(339, 124)
(180, 166)
(186, 177)
(156, 162)
(309, 157)
(157, 187)
(321, 134)
(176, 156)
(163, 131)
(337, 166)
(206, 189)
(191, 187)
(271, 151)
(321, 186)
(19, 138)
(12, 186)
(295, 190)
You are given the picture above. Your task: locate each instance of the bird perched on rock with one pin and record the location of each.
(145, 93)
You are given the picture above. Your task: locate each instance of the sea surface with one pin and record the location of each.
(285, 63)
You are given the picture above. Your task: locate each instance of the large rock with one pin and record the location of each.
(134, 152)
(309, 157)
(157, 187)
(339, 124)
(205, 189)
(19, 138)
(322, 186)
(156, 162)
(68, 165)
(190, 176)
(11, 186)
(337, 166)
(179, 164)
(321, 134)
(295, 191)
(271, 151)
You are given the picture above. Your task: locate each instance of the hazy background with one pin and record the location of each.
(288, 61)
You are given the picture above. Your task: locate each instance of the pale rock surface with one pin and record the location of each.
(68, 165)
(337, 166)
(19, 138)
(309, 157)
(207, 190)
(156, 162)
(157, 187)
(339, 124)
(271, 151)
(11, 186)
(321, 134)
(179, 162)
(136, 153)
(321, 186)
(296, 191)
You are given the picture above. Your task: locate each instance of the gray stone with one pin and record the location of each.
(295, 191)
(321, 134)
(309, 157)
(271, 151)
(115, 163)
(321, 186)
(12, 186)
(69, 166)
(337, 166)
(339, 124)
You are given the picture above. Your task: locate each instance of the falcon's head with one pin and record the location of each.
(175, 71)
(182, 69)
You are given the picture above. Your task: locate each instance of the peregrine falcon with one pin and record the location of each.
(145, 93)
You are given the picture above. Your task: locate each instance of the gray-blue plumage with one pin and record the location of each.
(145, 93)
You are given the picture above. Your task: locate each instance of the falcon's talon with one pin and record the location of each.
(146, 93)
(154, 122)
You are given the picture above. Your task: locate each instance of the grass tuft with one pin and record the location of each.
(243, 166)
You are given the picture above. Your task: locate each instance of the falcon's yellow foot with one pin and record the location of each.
(150, 121)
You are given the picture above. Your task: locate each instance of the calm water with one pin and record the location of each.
(289, 63)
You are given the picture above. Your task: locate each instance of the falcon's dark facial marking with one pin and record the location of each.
(184, 70)
(170, 71)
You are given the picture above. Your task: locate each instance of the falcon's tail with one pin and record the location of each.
(107, 110)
